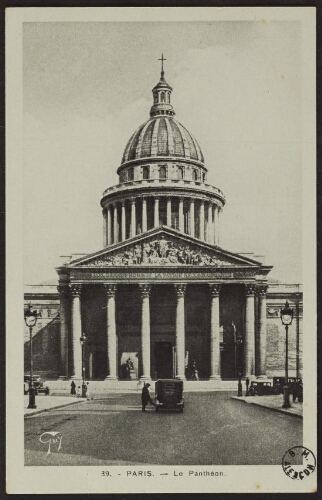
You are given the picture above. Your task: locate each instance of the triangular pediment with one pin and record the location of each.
(163, 247)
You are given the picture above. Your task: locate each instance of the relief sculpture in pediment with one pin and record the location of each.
(160, 251)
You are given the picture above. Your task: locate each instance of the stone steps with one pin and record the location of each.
(136, 385)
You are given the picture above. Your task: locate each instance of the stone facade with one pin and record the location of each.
(161, 294)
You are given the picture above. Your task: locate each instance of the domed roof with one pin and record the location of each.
(162, 136)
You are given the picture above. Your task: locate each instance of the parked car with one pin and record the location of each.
(279, 382)
(169, 395)
(40, 388)
(259, 388)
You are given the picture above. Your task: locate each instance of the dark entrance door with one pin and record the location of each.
(163, 359)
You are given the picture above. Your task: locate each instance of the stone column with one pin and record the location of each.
(202, 221)
(192, 217)
(110, 291)
(216, 225)
(209, 224)
(133, 218)
(109, 225)
(218, 228)
(180, 331)
(76, 332)
(215, 368)
(156, 212)
(64, 306)
(169, 217)
(249, 351)
(181, 218)
(144, 216)
(123, 234)
(262, 329)
(104, 228)
(116, 229)
(145, 290)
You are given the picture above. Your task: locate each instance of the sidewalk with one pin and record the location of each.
(273, 403)
(45, 403)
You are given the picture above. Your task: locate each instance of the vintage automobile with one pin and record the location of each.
(40, 388)
(279, 382)
(259, 388)
(169, 395)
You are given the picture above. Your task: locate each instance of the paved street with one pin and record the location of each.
(214, 429)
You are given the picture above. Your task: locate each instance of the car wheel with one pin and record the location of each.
(259, 392)
(252, 391)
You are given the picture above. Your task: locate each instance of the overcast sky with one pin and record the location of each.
(237, 88)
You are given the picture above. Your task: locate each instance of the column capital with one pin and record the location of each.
(110, 289)
(180, 289)
(123, 203)
(261, 290)
(181, 198)
(156, 198)
(145, 289)
(63, 291)
(132, 200)
(75, 289)
(215, 289)
(250, 289)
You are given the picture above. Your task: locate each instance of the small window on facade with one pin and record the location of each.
(203, 177)
(162, 96)
(130, 174)
(195, 175)
(146, 172)
(180, 173)
(162, 173)
(155, 98)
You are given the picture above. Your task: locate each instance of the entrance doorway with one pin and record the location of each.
(163, 359)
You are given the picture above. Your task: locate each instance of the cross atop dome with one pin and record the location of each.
(162, 71)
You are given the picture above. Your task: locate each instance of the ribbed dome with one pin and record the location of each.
(162, 136)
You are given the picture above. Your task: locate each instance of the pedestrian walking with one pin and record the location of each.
(88, 396)
(146, 398)
(78, 392)
(73, 388)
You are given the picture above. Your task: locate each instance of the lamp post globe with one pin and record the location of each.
(83, 340)
(286, 318)
(31, 320)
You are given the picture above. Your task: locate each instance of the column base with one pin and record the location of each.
(110, 377)
(145, 378)
(76, 377)
(215, 377)
(180, 377)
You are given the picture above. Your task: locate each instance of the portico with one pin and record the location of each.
(188, 311)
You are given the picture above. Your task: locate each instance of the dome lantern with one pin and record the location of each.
(161, 96)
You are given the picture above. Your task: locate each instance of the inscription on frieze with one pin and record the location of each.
(128, 276)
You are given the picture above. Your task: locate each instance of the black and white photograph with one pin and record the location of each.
(161, 302)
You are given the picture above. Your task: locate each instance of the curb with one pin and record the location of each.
(280, 410)
(27, 415)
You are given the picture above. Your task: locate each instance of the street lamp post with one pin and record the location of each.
(31, 320)
(286, 318)
(83, 341)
